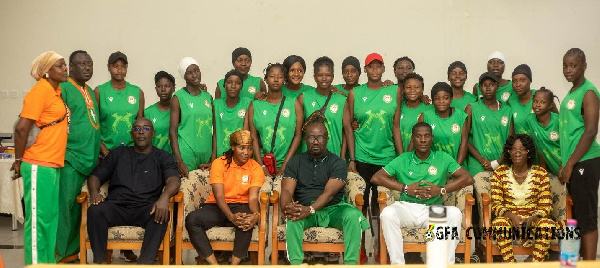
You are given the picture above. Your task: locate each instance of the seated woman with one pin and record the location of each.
(233, 202)
(521, 196)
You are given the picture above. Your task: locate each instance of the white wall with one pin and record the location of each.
(155, 34)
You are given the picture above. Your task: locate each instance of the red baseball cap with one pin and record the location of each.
(373, 56)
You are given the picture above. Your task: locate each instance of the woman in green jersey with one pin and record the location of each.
(160, 112)
(350, 73)
(580, 151)
(543, 125)
(457, 76)
(241, 58)
(119, 104)
(412, 106)
(262, 115)
(337, 113)
(230, 112)
(450, 126)
(191, 126)
(496, 65)
(296, 68)
(491, 125)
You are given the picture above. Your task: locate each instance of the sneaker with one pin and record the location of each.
(362, 257)
(333, 257)
(128, 256)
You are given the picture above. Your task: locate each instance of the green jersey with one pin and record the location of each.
(341, 88)
(503, 93)
(195, 124)
(334, 114)
(160, 121)
(374, 111)
(294, 94)
(250, 86)
(446, 131)
(465, 100)
(228, 120)
(546, 140)
(264, 118)
(408, 168)
(520, 113)
(572, 125)
(489, 131)
(408, 118)
(83, 143)
(118, 110)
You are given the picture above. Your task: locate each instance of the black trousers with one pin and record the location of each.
(109, 214)
(583, 187)
(209, 216)
(366, 171)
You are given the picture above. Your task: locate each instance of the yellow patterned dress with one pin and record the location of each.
(531, 197)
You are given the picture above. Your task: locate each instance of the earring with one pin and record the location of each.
(46, 75)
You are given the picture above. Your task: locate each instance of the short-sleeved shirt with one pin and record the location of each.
(83, 144)
(160, 120)
(294, 94)
(236, 180)
(461, 103)
(312, 174)
(250, 86)
(408, 168)
(136, 177)
(44, 105)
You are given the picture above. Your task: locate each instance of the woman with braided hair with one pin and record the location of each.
(521, 197)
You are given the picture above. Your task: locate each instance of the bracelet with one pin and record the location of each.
(19, 159)
(352, 159)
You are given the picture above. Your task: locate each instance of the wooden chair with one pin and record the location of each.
(561, 210)
(122, 237)
(196, 190)
(320, 239)
(414, 237)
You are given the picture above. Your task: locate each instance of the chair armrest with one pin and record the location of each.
(360, 201)
(178, 198)
(274, 197)
(381, 199)
(485, 199)
(469, 200)
(82, 197)
(264, 198)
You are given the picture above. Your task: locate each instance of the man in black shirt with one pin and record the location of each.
(312, 195)
(136, 197)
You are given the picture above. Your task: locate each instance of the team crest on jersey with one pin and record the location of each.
(241, 113)
(314, 103)
(207, 103)
(285, 112)
(333, 108)
(245, 179)
(410, 173)
(154, 120)
(191, 105)
(432, 170)
(387, 98)
(505, 96)
(432, 126)
(482, 117)
(364, 99)
(455, 128)
(110, 99)
(571, 104)
(131, 100)
(504, 120)
(554, 136)
(252, 89)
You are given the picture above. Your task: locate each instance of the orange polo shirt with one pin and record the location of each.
(44, 105)
(237, 180)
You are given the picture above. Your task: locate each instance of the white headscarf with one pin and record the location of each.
(184, 64)
(497, 55)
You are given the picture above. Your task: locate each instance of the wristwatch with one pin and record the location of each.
(312, 210)
(443, 191)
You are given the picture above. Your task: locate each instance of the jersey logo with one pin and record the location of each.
(432, 170)
(364, 99)
(245, 179)
(571, 104)
(483, 118)
(333, 108)
(410, 173)
(203, 123)
(432, 126)
(553, 135)
(110, 99)
(515, 115)
(241, 113)
(192, 105)
(314, 103)
(207, 103)
(126, 118)
(455, 128)
(536, 134)
(581, 171)
(154, 120)
(131, 100)
(505, 96)
(221, 115)
(285, 113)
(252, 89)
(264, 112)
(504, 120)
(387, 98)
(378, 116)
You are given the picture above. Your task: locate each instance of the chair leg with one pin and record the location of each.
(161, 257)
(254, 257)
(109, 256)
(83, 255)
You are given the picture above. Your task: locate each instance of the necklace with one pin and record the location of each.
(524, 174)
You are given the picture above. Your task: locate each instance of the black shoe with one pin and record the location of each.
(128, 256)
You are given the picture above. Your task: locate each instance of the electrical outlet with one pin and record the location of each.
(3, 94)
(14, 94)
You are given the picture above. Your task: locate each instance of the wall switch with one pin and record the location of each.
(14, 94)
(3, 94)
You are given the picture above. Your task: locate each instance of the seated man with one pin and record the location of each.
(312, 195)
(136, 197)
(422, 177)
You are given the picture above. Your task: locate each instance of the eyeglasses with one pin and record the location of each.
(138, 129)
(312, 139)
(518, 151)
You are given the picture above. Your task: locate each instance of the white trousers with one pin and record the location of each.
(405, 214)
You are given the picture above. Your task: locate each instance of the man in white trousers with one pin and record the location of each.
(422, 177)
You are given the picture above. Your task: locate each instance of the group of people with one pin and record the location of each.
(389, 132)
